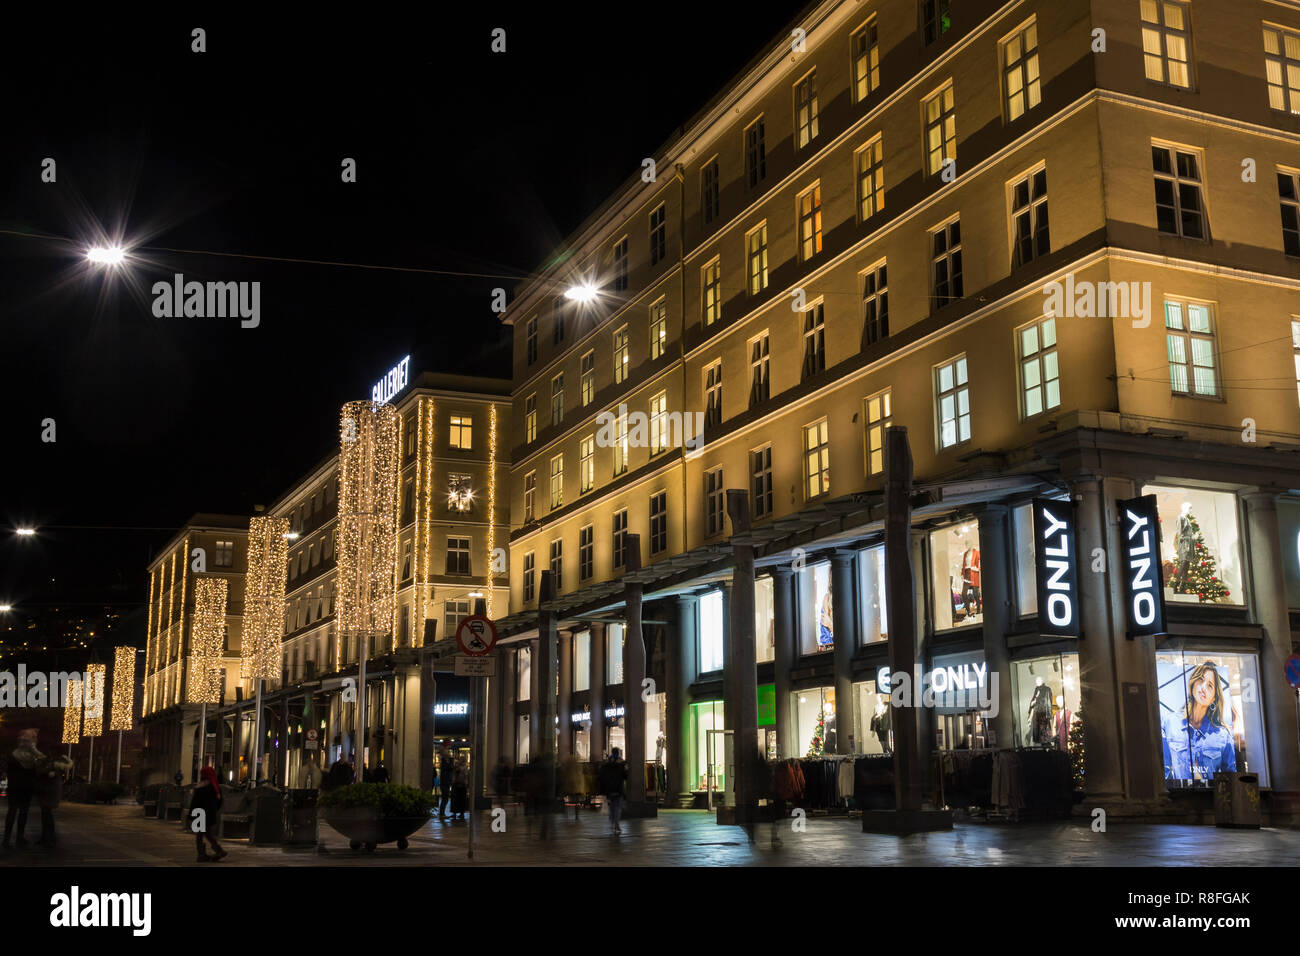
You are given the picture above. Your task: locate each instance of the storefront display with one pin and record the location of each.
(814, 711)
(710, 632)
(1046, 695)
(582, 661)
(613, 655)
(871, 572)
(707, 771)
(816, 603)
(1200, 546)
(955, 570)
(959, 683)
(873, 731)
(521, 740)
(1210, 716)
(764, 621)
(767, 720)
(1022, 520)
(656, 730)
(523, 671)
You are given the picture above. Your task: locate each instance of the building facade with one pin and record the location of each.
(1059, 243)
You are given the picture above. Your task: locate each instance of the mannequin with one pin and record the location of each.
(1184, 543)
(1040, 714)
(970, 579)
(1063, 719)
(881, 723)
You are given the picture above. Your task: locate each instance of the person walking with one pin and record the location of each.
(21, 769)
(459, 790)
(446, 779)
(613, 784)
(380, 775)
(205, 807)
(340, 774)
(49, 790)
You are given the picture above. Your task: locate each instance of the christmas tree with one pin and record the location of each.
(1076, 750)
(1201, 575)
(817, 747)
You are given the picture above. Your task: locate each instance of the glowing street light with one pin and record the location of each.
(292, 535)
(106, 255)
(6, 608)
(586, 292)
(24, 532)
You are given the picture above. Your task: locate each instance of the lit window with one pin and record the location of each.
(659, 423)
(879, 416)
(871, 179)
(875, 305)
(529, 570)
(711, 291)
(756, 242)
(817, 459)
(946, 263)
(1179, 208)
(940, 129)
(1167, 41)
(460, 494)
(620, 444)
(1295, 349)
(810, 225)
(714, 504)
(760, 385)
(225, 554)
(557, 482)
(620, 356)
(805, 109)
(587, 381)
(952, 402)
(557, 399)
(1020, 71)
(866, 61)
(460, 432)
(1040, 374)
(658, 328)
(587, 465)
(530, 496)
(1029, 219)
(1189, 332)
(1282, 67)
(530, 418)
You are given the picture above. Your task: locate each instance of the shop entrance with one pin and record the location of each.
(721, 764)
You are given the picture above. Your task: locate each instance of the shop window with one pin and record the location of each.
(873, 730)
(521, 741)
(871, 570)
(711, 632)
(582, 661)
(1210, 716)
(582, 741)
(955, 571)
(656, 730)
(524, 673)
(613, 655)
(764, 620)
(1022, 517)
(1046, 694)
(817, 626)
(814, 712)
(708, 752)
(1288, 519)
(962, 693)
(1200, 545)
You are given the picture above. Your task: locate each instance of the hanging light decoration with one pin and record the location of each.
(72, 713)
(492, 503)
(123, 688)
(207, 639)
(425, 541)
(263, 628)
(93, 700)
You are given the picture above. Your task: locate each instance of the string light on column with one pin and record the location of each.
(428, 409)
(123, 689)
(180, 633)
(207, 638)
(492, 503)
(93, 700)
(72, 713)
(150, 657)
(367, 550)
(264, 583)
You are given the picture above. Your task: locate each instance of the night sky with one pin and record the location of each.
(467, 161)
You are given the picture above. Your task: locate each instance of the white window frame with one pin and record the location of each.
(1038, 367)
(808, 216)
(1278, 64)
(1178, 181)
(557, 400)
(621, 357)
(955, 276)
(530, 418)
(619, 253)
(713, 392)
(587, 464)
(760, 480)
(864, 58)
(1036, 210)
(869, 176)
(806, 113)
(755, 148)
(620, 445)
(557, 482)
(1019, 53)
(530, 496)
(874, 283)
(959, 388)
(816, 459)
(659, 424)
(877, 416)
(759, 349)
(587, 377)
(944, 122)
(1159, 32)
(460, 432)
(1188, 337)
(658, 327)
(756, 258)
(715, 504)
(711, 291)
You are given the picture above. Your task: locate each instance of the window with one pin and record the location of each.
(936, 20)
(530, 418)
(764, 620)
(1179, 210)
(1295, 349)
(875, 304)
(1200, 545)
(1021, 83)
(658, 234)
(817, 459)
(760, 386)
(715, 507)
(1029, 219)
(756, 243)
(1167, 41)
(760, 470)
(557, 399)
(587, 465)
(1282, 67)
(460, 432)
(878, 413)
(814, 340)
(709, 191)
(955, 576)
(224, 554)
(557, 565)
(586, 551)
(530, 339)
(529, 568)
(557, 482)
(755, 153)
(658, 522)
(940, 129)
(870, 161)
(620, 265)
(946, 263)
(458, 556)
(406, 561)
(659, 423)
(952, 402)
(582, 661)
(1040, 376)
(620, 356)
(1189, 331)
(1211, 717)
(460, 493)
(620, 538)
(409, 427)
(408, 500)
(453, 612)
(587, 378)
(658, 329)
(711, 625)
(810, 225)
(1288, 191)
(711, 291)
(530, 496)
(620, 444)
(713, 395)
(613, 655)
(805, 109)
(866, 61)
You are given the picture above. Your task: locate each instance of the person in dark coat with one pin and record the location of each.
(49, 791)
(379, 775)
(21, 769)
(459, 790)
(340, 775)
(446, 779)
(613, 784)
(207, 798)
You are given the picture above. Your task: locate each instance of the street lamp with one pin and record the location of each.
(106, 255)
(6, 608)
(292, 536)
(583, 292)
(24, 532)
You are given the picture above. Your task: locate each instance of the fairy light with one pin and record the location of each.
(179, 692)
(93, 702)
(72, 713)
(397, 576)
(264, 584)
(149, 658)
(207, 637)
(123, 688)
(492, 502)
(426, 543)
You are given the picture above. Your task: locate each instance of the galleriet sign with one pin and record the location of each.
(392, 383)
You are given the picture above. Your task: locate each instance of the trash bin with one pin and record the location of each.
(268, 816)
(300, 817)
(1236, 800)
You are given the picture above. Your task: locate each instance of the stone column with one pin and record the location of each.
(995, 597)
(408, 734)
(1278, 696)
(599, 637)
(494, 746)
(900, 589)
(564, 707)
(844, 619)
(741, 661)
(784, 637)
(427, 696)
(633, 673)
(544, 665)
(680, 673)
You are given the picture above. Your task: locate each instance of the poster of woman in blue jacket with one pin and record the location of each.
(1198, 734)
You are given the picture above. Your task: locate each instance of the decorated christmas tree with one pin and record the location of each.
(817, 747)
(1202, 574)
(1076, 750)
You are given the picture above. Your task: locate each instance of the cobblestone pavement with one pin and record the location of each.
(122, 836)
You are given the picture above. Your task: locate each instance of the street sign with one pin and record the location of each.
(313, 738)
(467, 666)
(476, 635)
(1293, 670)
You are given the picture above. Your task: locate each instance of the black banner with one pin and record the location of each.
(1056, 566)
(1144, 598)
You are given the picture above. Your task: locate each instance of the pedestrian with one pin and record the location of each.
(340, 774)
(21, 769)
(380, 775)
(49, 790)
(613, 784)
(205, 807)
(459, 790)
(310, 777)
(502, 779)
(446, 779)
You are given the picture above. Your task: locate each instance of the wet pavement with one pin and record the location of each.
(121, 835)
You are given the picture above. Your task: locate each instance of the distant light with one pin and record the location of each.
(106, 255)
(4, 608)
(580, 293)
(25, 532)
(292, 535)
(476, 594)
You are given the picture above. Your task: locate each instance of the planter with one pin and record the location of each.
(368, 827)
